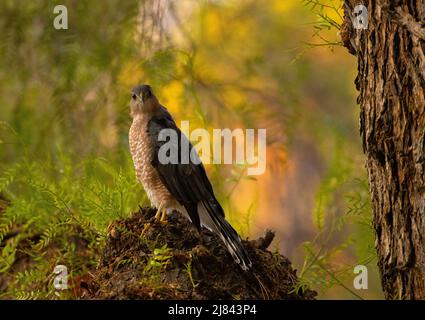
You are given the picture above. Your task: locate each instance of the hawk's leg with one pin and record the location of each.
(158, 213)
(148, 224)
(161, 216)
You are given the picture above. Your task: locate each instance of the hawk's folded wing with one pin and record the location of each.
(187, 182)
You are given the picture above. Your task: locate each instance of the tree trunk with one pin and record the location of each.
(391, 82)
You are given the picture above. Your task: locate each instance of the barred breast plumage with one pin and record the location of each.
(142, 153)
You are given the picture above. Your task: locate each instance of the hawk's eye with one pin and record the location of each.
(133, 96)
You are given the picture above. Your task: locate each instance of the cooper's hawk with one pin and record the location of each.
(179, 186)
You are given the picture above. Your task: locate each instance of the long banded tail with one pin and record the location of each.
(212, 218)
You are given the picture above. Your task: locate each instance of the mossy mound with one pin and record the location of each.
(174, 261)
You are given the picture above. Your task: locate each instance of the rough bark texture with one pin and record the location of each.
(391, 82)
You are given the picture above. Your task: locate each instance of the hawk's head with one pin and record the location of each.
(143, 101)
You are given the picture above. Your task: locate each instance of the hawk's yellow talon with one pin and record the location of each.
(158, 213)
(163, 218)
